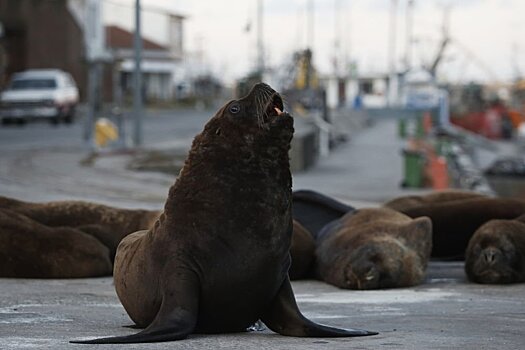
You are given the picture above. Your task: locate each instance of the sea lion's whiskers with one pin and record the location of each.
(259, 109)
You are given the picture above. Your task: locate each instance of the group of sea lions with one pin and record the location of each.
(390, 246)
(64, 239)
(218, 257)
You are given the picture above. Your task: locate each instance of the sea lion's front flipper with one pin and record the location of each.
(176, 318)
(283, 316)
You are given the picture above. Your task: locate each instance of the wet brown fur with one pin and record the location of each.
(29, 249)
(496, 252)
(63, 223)
(375, 248)
(409, 202)
(217, 259)
(454, 221)
(302, 252)
(227, 155)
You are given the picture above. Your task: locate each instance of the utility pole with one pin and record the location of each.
(94, 41)
(392, 81)
(260, 42)
(392, 37)
(337, 39)
(409, 39)
(137, 80)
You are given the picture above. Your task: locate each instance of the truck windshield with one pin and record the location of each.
(26, 84)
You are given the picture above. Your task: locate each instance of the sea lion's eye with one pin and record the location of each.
(235, 108)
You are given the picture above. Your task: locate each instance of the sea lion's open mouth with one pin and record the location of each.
(274, 108)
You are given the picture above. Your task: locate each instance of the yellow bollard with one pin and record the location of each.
(105, 131)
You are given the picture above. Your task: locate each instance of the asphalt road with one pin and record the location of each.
(158, 126)
(42, 162)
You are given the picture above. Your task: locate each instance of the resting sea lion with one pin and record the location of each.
(496, 252)
(454, 222)
(217, 259)
(311, 212)
(408, 202)
(302, 252)
(29, 249)
(374, 248)
(107, 224)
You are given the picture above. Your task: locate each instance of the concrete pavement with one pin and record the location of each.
(446, 312)
(443, 313)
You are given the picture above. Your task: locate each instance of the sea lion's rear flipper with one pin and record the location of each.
(175, 320)
(283, 316)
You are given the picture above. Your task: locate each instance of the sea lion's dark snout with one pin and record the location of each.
(266, 103)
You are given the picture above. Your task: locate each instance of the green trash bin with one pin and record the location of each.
(402, 128)
(414, 168)
(420, 127)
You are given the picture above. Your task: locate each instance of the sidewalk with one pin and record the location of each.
(368, 168)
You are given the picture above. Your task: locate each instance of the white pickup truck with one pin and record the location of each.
(39, 93)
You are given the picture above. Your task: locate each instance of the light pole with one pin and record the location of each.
(137, 80)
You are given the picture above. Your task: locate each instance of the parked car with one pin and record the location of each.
(39, 94)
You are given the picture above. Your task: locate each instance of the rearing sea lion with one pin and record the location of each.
(217, 259)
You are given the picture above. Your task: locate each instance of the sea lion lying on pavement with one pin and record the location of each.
(302, 252)
(107, 224)
(63, 223)
(455, 221)
(404, 203)
(311, 212)
(217, 259)
(374, 248)
(29, 249)
(496, 252)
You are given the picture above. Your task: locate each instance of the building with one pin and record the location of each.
(158, 65)
(53, 34)
(41, 34)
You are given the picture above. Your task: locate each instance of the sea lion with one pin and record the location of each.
(302, 252)
(408, 202)
(374, 248)
(29, 249)
(311, 211)
(217, 259)
(496, 252)
(455, 221)
(107, 224)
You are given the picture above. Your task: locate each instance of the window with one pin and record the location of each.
(26, 84)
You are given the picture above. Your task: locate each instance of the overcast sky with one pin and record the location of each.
(488, 36)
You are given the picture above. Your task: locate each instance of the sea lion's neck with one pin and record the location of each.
(221, 175)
